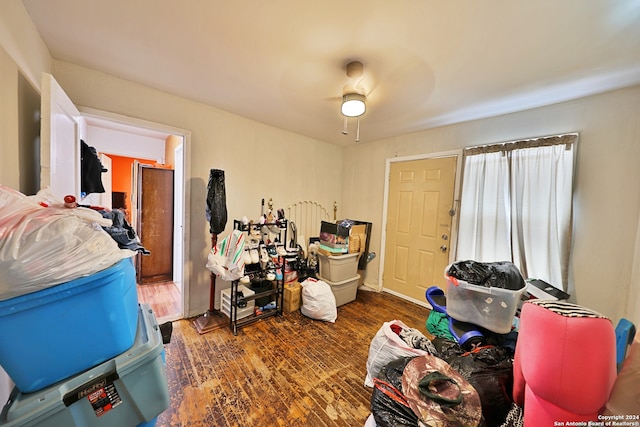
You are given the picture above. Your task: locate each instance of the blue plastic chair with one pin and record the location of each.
(625, 333)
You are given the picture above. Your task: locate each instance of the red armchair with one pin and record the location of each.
(564, 364)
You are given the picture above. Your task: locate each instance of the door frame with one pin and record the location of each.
(184, 169)
(454, 220)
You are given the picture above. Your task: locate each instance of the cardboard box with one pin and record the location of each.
(292, 297)
(357, 238)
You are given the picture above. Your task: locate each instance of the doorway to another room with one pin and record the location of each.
(146, 182)
(63, 128)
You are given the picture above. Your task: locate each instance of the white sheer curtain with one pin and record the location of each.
(485, 209)
(516, 206)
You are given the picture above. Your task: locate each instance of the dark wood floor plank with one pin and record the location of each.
(282, 371)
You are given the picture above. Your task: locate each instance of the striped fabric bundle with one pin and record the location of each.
(226, 259)
(567, 309)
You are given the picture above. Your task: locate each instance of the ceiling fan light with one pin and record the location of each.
(353, 105)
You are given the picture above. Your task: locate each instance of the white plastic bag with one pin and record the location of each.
(385, 347)
(226, 259)
(318, 301)
(44, 246)
(370, 422)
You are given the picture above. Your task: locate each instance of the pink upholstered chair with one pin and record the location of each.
(565, 363)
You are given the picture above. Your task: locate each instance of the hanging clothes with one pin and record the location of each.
(91, 170)
(216, 210)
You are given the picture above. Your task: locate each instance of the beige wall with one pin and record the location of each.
(9, 149)
(607, 186)
(259, 161)
(21, 40)
(21, 52)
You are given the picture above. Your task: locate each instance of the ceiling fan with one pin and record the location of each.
(354, 95)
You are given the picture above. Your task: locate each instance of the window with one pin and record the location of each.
(516, 205)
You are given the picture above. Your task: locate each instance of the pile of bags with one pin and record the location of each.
(417, 381)
(43, 243)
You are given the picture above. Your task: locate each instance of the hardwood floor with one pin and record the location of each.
(164, 298)
(280, 371)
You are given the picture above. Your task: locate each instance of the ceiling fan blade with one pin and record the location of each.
(366, 84)
(349, 88)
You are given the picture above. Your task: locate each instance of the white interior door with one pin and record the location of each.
(61, 129)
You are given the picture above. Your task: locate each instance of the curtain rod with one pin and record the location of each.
(544, 141)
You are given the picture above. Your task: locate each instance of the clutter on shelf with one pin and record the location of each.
(268, 265)
(254, 259)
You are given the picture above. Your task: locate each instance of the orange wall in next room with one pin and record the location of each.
(122, 175)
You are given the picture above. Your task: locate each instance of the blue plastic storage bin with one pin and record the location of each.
(126, 391)
(52, 334)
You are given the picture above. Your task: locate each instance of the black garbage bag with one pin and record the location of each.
(216, 210)
(387, 411)
(501, 274)
(489, 370)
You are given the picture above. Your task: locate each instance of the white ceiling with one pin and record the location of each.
(427, 62)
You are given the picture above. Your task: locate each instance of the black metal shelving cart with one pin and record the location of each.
(258, 271)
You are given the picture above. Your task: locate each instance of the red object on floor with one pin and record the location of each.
(396, 329)
(565, 363)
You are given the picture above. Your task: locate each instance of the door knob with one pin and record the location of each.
(445, 237)
(443, 248)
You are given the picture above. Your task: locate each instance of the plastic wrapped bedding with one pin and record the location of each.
(43, 244)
